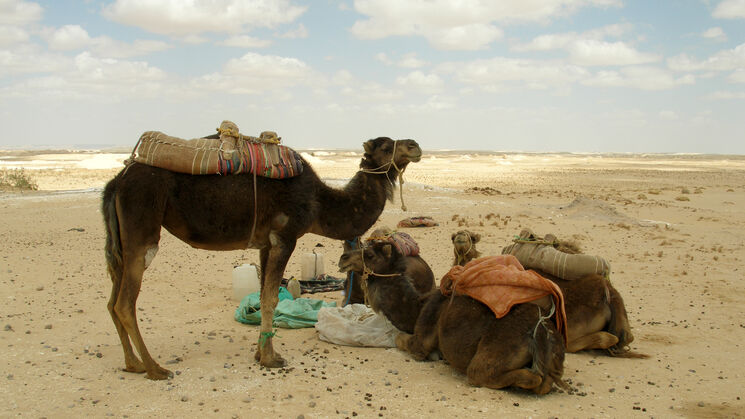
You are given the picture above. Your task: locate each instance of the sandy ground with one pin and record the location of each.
(673, 228)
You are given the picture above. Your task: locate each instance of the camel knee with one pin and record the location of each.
(597, 340)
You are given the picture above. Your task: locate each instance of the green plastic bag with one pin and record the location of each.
(289, 314)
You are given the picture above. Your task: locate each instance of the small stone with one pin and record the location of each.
(700, 404)
(49, 326)
(184, 399)
(40, 288)
(8, 328)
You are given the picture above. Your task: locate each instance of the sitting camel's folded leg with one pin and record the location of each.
(619, 322)
(273, 260)
(425, 338)
(497, 368)
(597, 340)
(135, 261)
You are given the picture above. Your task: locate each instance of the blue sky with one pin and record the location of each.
(539, 75)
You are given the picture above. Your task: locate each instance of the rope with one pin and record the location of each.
(366, 272)
(519, 239)
(541, 318)
(265, 336)
(462, 257)
(379, 171)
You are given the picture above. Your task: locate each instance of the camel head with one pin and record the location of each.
(464, 246)
(380, 257)
(379, 153)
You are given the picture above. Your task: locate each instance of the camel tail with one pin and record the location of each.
(113, 247)
(547, 349)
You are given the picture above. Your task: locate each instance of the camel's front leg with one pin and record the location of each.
(273, 260)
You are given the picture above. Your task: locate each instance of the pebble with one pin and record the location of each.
(8, 328)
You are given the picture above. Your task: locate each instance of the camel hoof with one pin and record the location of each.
(159, 374)
(402, 341)
(274, 362)
(137, 367)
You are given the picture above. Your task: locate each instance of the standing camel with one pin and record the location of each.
(234, 212)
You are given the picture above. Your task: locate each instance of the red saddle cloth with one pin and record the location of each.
(500, 282)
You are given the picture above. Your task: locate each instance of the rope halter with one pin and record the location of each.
(366, 272)
(462, 257)
(383, 169)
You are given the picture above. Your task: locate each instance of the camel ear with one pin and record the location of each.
(369, 146)
(475, 237)
(387, 250)
(452, 236)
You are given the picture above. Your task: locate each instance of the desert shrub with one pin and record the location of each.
(17, 179)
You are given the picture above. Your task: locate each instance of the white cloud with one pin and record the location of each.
(409, 60)
(11, 35)
(738, 76)
(462, 25)
(87, 76)
(245, 41)
(298, 33)
(644, 78)
(592, 52)
(493, 73)
(716, 33)
(726, 95)
(181, 19)
(669, 115)
(68, 37)
(724, 60)
(730, 9)
(254, 74)
(18, 12)
(565, 40)
(417, 80)
(74, 37)
(29, 59)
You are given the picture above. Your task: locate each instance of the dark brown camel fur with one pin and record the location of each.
(417, 270)
(215, 212)
(521, 349)
(596, 315)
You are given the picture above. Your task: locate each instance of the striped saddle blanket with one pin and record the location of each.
(210, 156)
(405, 244)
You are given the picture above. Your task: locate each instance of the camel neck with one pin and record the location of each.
(349, 212)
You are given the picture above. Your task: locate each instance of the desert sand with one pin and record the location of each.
(672, 227)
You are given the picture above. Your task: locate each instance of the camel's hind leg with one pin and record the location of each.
(135, 261)
(131, 362)
(425, 339)
(273, 263)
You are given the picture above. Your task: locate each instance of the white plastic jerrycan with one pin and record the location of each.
(245, 281)
(312, 266)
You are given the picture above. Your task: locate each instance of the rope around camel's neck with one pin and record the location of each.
(380, 170)
(467, 256)
(366, 272)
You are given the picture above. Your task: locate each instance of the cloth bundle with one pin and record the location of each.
(540, 254)
(405, 244)
(418, 222)
(290, 313)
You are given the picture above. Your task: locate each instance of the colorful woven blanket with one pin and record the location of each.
(418, 222)
(405, 244)
(500, 282)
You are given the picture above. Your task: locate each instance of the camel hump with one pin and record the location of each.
(230, 153)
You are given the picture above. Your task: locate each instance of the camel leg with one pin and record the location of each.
(131, 362)
(500, 366)
(125, 309)
(274, 260)
(619, 322)
(597, 340)
(425, 339)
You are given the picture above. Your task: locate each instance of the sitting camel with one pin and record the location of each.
(522, 349)
(417, 270)
(596, 315)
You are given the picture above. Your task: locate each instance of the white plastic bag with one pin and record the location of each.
(355, 325)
